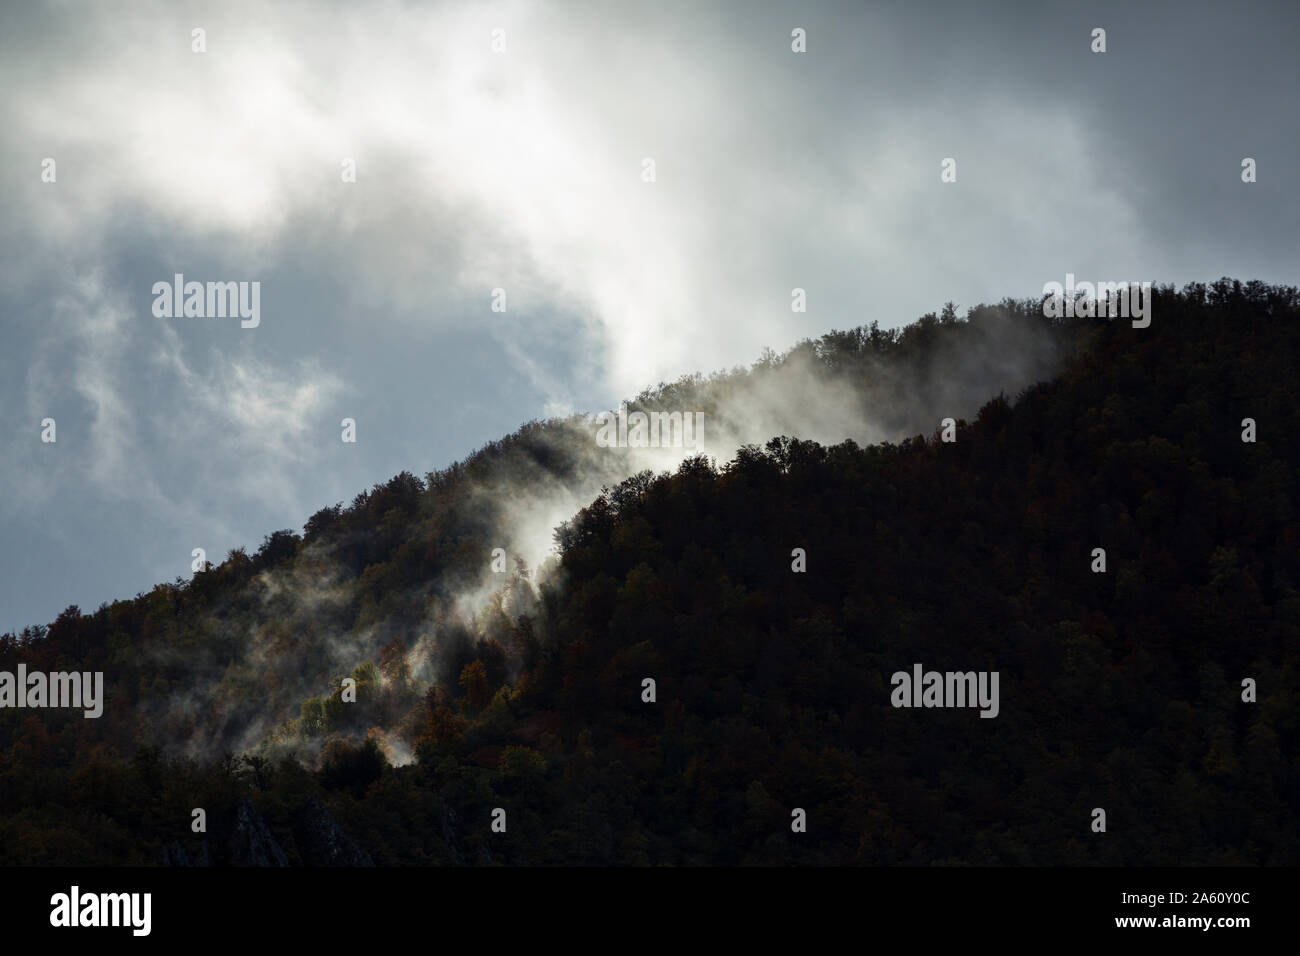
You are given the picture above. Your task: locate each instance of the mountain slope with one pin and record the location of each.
(1119, 690)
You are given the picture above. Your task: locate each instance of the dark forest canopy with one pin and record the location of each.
(1120, 690)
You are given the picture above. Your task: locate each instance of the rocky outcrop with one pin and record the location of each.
(175, 854)
(322, 842)
(251, 841)
(317, 839)
(450, 824)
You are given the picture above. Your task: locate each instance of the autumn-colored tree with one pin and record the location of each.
(474, 686)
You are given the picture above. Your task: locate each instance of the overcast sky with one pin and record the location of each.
(522, 169)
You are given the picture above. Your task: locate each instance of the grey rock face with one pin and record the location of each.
(322, 841)
(252, 843)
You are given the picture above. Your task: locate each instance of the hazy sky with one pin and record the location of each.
(522, 169)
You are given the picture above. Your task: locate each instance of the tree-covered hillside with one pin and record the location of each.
(523, 689)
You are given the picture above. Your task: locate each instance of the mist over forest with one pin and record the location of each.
(498, 618)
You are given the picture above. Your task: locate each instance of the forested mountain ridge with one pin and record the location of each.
(1120, 690)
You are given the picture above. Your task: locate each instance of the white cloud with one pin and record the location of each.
(240, 430)
(523, 170)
